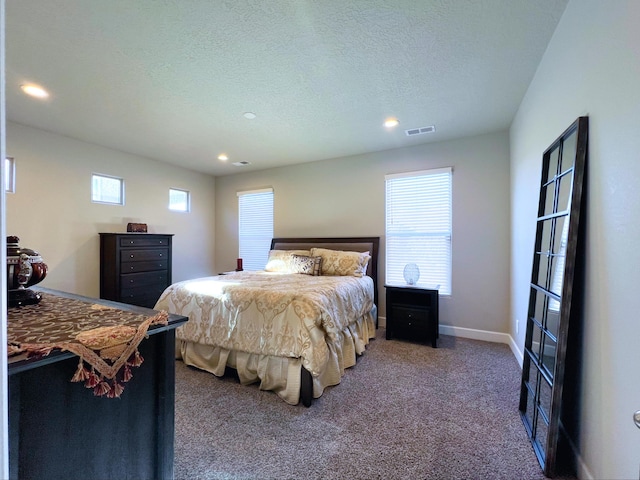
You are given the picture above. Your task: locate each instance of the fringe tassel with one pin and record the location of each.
(82, 374)
(101, 389)
(38, 352)
(126, 374)
(115, 391)
(93, 380)
(136, 359)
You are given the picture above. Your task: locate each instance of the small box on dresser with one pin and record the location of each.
(135, 268)
(412, 314)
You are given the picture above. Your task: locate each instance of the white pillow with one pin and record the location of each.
(280, 261)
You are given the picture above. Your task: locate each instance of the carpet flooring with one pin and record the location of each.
(405, 411)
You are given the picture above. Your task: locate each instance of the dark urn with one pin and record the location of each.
(25, 268)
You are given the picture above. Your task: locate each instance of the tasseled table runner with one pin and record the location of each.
(105, 338)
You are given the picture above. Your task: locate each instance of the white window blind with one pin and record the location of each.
(418, 227)
(255, 223)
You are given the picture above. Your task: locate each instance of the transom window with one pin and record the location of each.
(418, 227)
(107, 189)
(9, 175)
(179, 200)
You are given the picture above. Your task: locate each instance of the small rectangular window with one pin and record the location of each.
(179, 200)
(9, 175)
(106, 189)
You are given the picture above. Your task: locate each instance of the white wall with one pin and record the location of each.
(592, 67)
(52, 211)
(345, 197)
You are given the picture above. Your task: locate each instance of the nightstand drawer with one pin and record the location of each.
(410, 315)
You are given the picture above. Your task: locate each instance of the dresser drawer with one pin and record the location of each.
(134, 241)
(131, 255)
(132, 280)
(133, 267)
(145, 296)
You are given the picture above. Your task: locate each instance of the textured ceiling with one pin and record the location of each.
(171, 80)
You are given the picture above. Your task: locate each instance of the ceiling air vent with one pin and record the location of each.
(420, 130)
(241, 164)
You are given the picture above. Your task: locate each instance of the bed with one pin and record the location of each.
(295, 327)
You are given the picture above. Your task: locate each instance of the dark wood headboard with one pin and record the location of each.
(349, 244)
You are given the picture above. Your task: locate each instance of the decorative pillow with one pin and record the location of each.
(337, 262)
(306, 265)
(280, 260)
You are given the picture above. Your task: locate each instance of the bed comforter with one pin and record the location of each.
(268, 325)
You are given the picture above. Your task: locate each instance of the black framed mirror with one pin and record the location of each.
(551, 291)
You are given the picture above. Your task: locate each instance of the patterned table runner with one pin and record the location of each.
(105, 338)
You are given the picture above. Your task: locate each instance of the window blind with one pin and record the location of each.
(418, 227)
(255, 227)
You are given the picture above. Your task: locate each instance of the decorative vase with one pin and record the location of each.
(25, 268)
(411, 273)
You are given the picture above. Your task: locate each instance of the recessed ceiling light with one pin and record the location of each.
(391, 122)
(249, 115)
(223, 157)
(34, 90)
(243, 163)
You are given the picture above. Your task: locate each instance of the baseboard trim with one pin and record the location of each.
(485, 335)
(581, 470)
(475, 334)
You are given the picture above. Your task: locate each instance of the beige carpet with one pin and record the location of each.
(405, 411)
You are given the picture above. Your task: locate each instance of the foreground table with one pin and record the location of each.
(59, 429)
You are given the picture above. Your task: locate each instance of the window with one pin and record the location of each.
(105, 189)
(9, 175)
(179, 200)
(255, 227)
(418, 227)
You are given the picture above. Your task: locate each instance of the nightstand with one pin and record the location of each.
(412, 314)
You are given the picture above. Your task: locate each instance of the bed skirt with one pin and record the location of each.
(282, 374)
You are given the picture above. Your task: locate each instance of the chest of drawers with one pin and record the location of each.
(134, 268)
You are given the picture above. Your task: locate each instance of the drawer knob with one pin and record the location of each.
(160, 265)
(131, 268)
(131, 256)
(160, 254)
